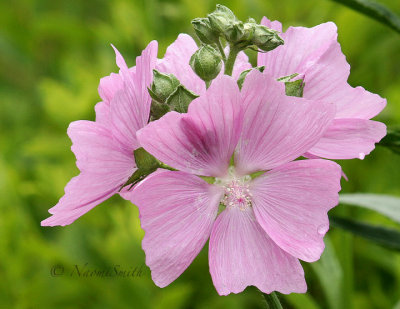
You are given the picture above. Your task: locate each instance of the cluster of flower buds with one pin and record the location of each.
(222, 24)
(168, 94)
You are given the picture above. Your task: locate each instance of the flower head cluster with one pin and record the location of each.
(232, 158)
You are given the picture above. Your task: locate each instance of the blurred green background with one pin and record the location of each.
(52, 55)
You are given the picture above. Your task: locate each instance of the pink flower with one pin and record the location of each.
(315, 55)
(104, 148)
(269, 222)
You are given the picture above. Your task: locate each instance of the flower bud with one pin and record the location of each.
(206, 62)
(203, 30)
(180, 99)
(163, 85)
(234, 32)
(266, 39)
(221, 18)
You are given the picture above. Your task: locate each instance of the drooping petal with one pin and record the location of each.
(104, 168)
(176, 61)
(203, 140)
(291, 204)
(349, 138)
(130, 106)
(242, 254)
(177, 211)
(302, 48)
(327, 80)
(277, 128)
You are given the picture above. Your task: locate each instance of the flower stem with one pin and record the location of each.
(221, 50)
(272, 301)
(233, 52)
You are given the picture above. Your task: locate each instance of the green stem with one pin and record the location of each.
(230, 62)
(221, 50)
(272, 301)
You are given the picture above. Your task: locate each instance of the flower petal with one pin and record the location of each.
(291, 204)
(104, 168)
(242, 254)
(349, 138)
(302, 48)
(203, 140)
(176, 61)
(274, 25)
(277, 128)
(327, 80)
(177, 211)
(130, 107)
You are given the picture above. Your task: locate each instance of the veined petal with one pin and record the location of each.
(242, 254)
(103, 114)
(176, 61)
(177, 211)
(277, 128)
(291, 204)
(203, 140)
(349, 138)
(130, 106)
(302, 48)
(327, 80)
(104, 168)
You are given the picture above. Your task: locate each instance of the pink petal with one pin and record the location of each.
(202, 141)
(130, 107)
(176, 61)
(302, 48)
(109, 85)
(349, 138)
(241, 64)
(104, 168)
(242, 254)
(103, 114)
(291, 204)
(274, 25)
(277, 128)
(327, 80)
(177, 211)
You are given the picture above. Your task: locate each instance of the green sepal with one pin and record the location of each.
(157, 110)
(180, 99)
(145, 161)
(295, 88)
(204, 31)
(266, 39)
(163, 85)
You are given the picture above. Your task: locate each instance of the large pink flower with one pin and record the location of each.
(269, 222)
(104, 148)
(315, 55)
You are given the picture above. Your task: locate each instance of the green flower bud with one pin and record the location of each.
(266, 39)
(206, 62)
(180, 99)
(243, 75)
(163, 85)
(221, 18)
(235, 32)
(203, 30)
(157, 110)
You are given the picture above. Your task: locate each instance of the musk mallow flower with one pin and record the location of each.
(268, 222)
(315, 55)
(104, 148)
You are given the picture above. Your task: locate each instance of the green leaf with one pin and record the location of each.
(330, 275)
(392, 141)
(374, 10)
(381, 235)
(385, 204)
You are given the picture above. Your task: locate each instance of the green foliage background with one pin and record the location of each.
(52, 55)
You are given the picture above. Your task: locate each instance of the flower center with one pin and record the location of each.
(237, 191)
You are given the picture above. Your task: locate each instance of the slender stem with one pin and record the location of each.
(230, 62)
(272, 301)
(221, 50)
